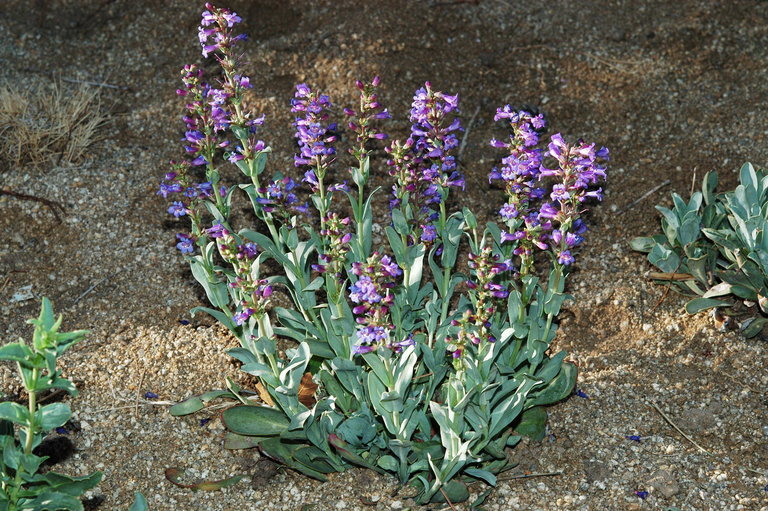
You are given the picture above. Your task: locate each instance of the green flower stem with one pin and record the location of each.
(212, 175)
(444, 292)
(32, 409)
(406, 267)
(30, 431)
(446, 270)
(359, 218)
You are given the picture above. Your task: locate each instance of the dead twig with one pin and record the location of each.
(96, 84)
(89, 290)
(740, 382)
(642, 197)
(666, 418)
(463, 144)
(532, 474)
(138, 391)
(445, 495)
(141, 403)
(693, 181)
(8, 278)
(52, 204)
(655, 275)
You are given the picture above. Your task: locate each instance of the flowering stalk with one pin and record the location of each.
(424, 171)
(315, 141)
(373, 296)
(486, 295)
(360, 123)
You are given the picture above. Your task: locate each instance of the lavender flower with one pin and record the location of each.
(423, 165)
(214, 32)
(241, 317)
(336, 240)
(486, 296)
(578, 168)
(185, 244)
(177, 209)
(364, 290)
(371, 293)
(315, 141)
(368, 338)
(279, 198)
(217, 231)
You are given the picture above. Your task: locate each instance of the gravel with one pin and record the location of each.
(669, 87)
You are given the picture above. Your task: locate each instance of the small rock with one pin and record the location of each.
(698, 420)
(664, 483)
(596, 471)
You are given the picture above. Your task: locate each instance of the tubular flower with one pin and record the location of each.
(372, 294)
(486, 296)
(423, 166)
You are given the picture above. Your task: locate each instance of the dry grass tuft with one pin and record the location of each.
(48, 126)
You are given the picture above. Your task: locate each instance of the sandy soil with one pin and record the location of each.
(674, 89)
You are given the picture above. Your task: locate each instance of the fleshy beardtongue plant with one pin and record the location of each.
(397, 361)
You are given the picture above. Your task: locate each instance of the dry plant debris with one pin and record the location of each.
(53, 125)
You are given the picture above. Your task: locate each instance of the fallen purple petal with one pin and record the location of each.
(203, 422)
(184, 321)
(62, 431)
(642, 494)
(581, 394)
(634, 438)
(150, 395)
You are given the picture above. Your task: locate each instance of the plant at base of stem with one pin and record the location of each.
(21, 486)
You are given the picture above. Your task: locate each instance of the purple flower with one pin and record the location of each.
(185, 244)
(150, 395)
(177, 209)
(62, 431)
(390, 267)
(339, 187)
(247, 251)
(167, 189)
(565, 258)
(217, 231)
(642, 494)
(315, 142)
(428, 233)
(242, 316)
(205, 421)
(634, 438)
(398, 346)
(359, 349)
(364, 290)
(559, 193)
(581, 394)
(508, 211)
